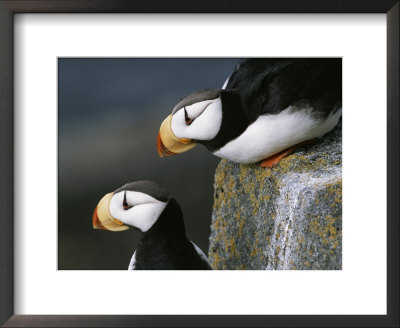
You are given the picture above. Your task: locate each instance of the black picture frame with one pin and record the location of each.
(10, 7)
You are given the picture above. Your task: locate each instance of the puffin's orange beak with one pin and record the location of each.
(162, 150)
(96, 221)
(168, 144)
(102, 219)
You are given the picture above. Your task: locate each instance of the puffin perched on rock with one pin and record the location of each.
(150, 208)
(264, 110)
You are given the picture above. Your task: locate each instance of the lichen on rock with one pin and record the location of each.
(288, 217)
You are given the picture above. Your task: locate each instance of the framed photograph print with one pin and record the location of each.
(290, 196)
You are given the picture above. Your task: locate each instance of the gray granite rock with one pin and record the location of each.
(288, 217)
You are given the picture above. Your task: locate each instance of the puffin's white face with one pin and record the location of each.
(118, 211)
(200, 121)
(136, 209)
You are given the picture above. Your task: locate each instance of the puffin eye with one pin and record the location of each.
(188, 120)
(125, 203)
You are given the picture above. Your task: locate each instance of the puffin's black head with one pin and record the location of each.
(138, 204)
(198, 117)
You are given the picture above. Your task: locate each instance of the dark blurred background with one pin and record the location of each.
(109, 114)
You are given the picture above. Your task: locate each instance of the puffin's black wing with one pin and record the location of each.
(270, 85)
(178, 254)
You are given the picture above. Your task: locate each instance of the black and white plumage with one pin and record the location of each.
(150, 208)
(265, 106)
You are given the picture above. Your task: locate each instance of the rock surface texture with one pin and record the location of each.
(285, 218)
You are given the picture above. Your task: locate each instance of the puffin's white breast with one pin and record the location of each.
(132, 262)
(270, 134)
(201, 254)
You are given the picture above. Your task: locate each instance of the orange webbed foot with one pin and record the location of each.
(274, 160)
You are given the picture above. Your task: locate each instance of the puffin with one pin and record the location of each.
(265, 109)
(149, 208)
